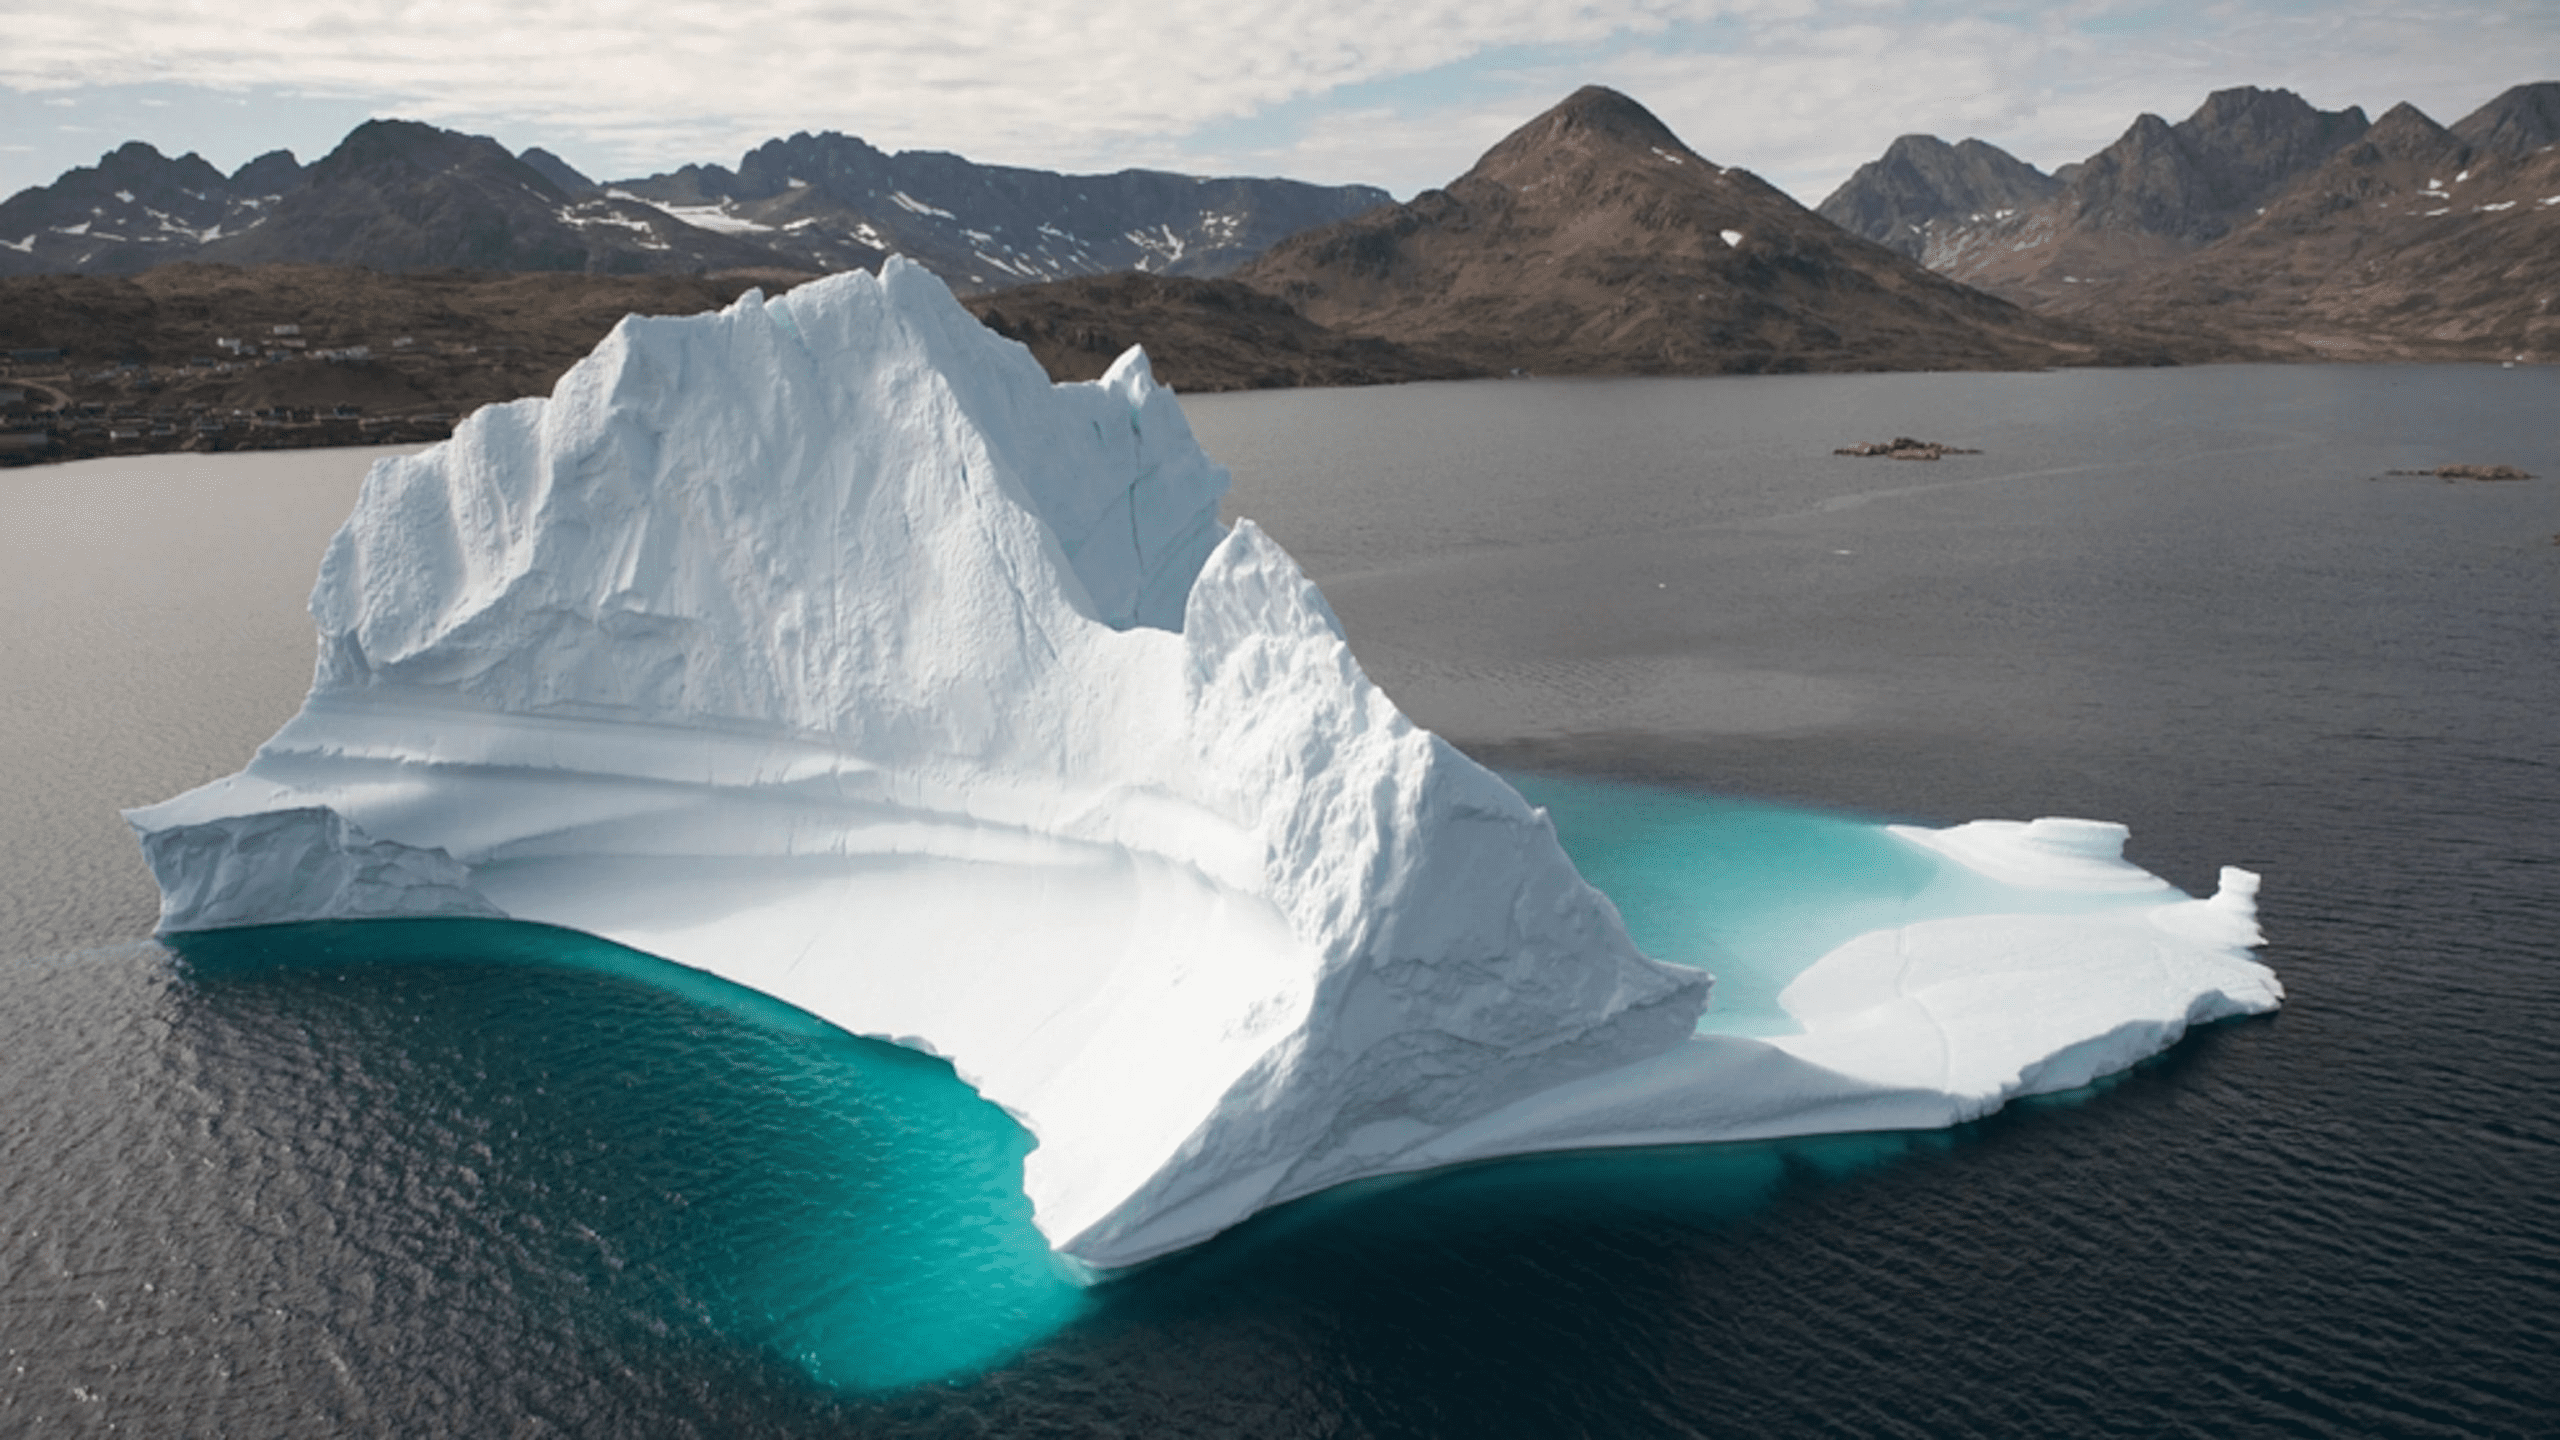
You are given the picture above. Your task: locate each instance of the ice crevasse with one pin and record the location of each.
(823, 644)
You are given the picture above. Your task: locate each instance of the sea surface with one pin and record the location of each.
(488, 1179)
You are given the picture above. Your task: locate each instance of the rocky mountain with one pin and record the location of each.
(397, 195)
(2262, 227)
(2522, 120)
(1922, 185)
(2159, 192)
(137, 208)
(1593, 240)
(1200, 335)
(822, 198)
(558, 171)
(2414, 241)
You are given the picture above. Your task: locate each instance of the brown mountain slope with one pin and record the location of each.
(142, 366)
(2522, 119)
(2410, 243)
(1922, 185)
(2160, 192)
(1593, 241)
(399, 195)
(1200, 335)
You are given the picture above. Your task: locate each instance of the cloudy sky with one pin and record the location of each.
(1400, 93)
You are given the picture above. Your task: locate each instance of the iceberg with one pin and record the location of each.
(823, 644)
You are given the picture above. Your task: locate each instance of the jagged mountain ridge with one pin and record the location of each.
(398, 195)
(986, 226)
(2261, 226)
(137, 208)
(2411, 242)
(2159, 192)
(1593, 240)
(1921, 184)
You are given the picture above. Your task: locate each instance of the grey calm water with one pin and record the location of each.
(314, 1201)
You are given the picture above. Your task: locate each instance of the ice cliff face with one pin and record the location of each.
(824, 644)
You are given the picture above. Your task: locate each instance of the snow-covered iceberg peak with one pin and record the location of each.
(779, 516)
(823, 644)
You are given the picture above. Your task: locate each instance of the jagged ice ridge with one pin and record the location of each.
(823, 644)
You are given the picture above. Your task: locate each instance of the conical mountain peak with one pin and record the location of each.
(1592, 120)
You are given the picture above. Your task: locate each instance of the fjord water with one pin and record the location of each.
(401, 1179)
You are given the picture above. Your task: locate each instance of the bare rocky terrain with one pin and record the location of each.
(114, 365)
(2410, 244)
(2155, 195)
(832, 202)
(1200, 335)
(1922, 189)
(398, 195)
(134, 209)
(1593, 241)
(2263, 228)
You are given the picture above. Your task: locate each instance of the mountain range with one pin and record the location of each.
(1594, 240)
(137, 208)
(1591, 240)
(399, 196)
(2258, 226)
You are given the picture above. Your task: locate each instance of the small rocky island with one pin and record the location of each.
(1903, 447)
(2470, 472)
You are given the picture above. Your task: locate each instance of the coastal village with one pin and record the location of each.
(54, 408)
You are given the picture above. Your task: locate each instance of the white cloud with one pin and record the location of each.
(991, 77)
(1803, 101)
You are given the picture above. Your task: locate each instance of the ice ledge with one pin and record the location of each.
(279, 867)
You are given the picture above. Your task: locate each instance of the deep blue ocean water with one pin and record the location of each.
(480, 1178)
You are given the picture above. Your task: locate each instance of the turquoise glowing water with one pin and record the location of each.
(854, 1209)
(844, 1204)
(1755, 892)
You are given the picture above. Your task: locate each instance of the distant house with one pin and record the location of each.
(285, 330)
(51, 356)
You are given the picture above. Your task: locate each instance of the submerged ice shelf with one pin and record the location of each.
(824, 645)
